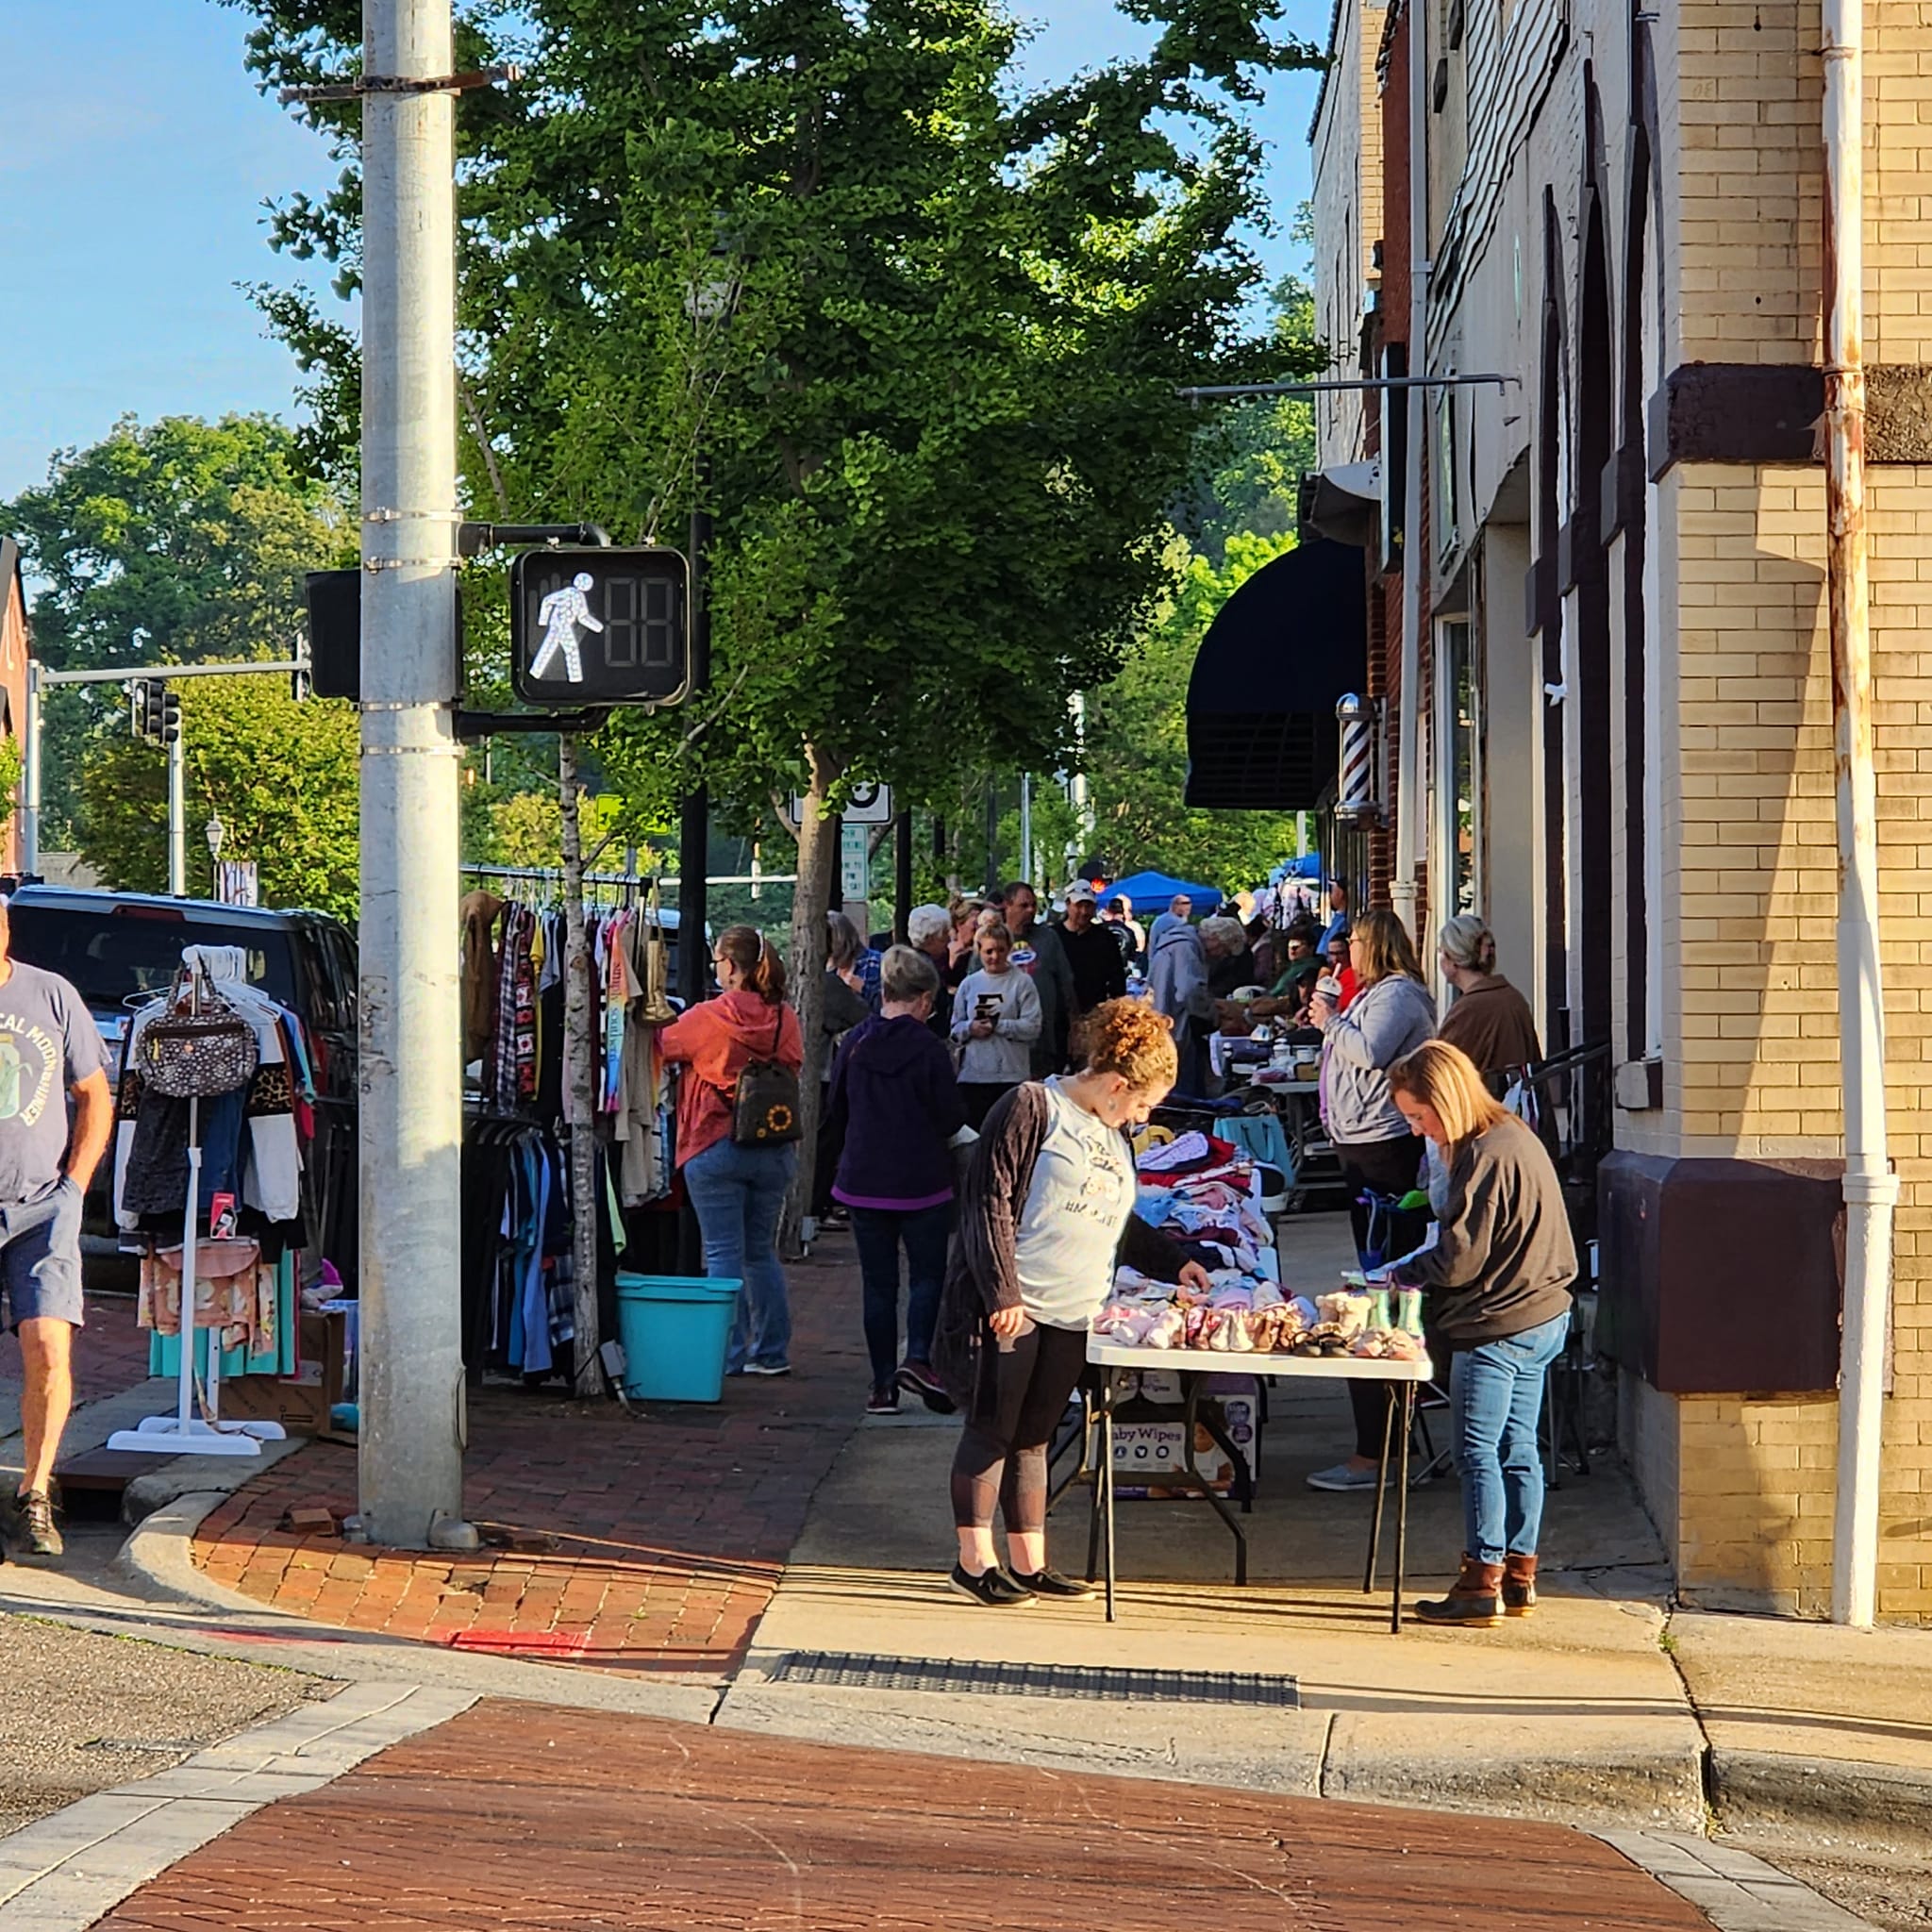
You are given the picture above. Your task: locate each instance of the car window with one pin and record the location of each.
(113, 957)
(342, 951)
(323, 1007)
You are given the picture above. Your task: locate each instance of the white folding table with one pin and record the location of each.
(1192, 1366)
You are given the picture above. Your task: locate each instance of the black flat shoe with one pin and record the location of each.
(1050, 1583)
(993, 1588)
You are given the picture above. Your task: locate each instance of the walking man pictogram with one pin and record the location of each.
(560, 614)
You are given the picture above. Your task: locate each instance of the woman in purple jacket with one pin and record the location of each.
(897, 1101)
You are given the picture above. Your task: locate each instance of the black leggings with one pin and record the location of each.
(1390, 1167)
(1023, 1390)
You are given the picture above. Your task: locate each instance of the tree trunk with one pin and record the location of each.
(580, 1064)
(817, 853)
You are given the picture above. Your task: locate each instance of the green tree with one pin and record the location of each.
(1137, 757)
(280, 776)
(921, 331)
(176, 541)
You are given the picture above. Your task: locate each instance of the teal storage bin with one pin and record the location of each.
(674, 1332)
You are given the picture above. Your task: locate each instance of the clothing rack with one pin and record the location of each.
(205, 1435)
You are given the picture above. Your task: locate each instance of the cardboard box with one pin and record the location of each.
(1144, 1448)
(301, 1402)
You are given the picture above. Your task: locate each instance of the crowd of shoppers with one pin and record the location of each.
(966, 1032)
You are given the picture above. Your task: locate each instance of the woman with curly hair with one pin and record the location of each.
(1048, 1209)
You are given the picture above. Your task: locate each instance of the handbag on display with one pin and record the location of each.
(765, 1104)
(195, 1055)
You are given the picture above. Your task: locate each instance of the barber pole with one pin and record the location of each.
(1356, 789)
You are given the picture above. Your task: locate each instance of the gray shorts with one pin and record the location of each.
(40, 1257)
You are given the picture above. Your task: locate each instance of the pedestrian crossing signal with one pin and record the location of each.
(600, 627)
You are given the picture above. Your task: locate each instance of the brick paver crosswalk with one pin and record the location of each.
(524, 1816)
(651, 1543)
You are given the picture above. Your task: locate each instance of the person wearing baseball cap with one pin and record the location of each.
(1100, 972)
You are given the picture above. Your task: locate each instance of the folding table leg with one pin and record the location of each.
(1191, 1468)
(1402, 1503)
(1091, 1401)
(1382, 1487)
(1107, 1479)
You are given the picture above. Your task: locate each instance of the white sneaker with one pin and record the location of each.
(1342, 1476)
(768, 1368)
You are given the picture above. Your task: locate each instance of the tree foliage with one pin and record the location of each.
(176, 541)
(280, 776)
(912, 334)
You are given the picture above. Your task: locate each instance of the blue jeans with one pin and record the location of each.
(1496, 1397)
(739, 1193)
(877, 1232)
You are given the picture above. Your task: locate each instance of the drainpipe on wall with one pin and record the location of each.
(1871, 1188)
(1409, 768)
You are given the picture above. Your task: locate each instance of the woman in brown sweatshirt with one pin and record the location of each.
(1489, 1019)
(1498, 1286)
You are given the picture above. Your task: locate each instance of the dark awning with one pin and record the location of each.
(1286, 646)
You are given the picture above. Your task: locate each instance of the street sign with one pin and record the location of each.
(600, 626)
(870, 804)
(855, 863)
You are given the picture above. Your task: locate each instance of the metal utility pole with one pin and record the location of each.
(411, 1453)
(1871, 1188)
(1027, 869)
(694, 824)
(177, 816)
(580, 1096)
(1415, 558)
(902, 876)
(30, 775)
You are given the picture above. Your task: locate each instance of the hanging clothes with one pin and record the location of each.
(479, 912)
(250, 1147)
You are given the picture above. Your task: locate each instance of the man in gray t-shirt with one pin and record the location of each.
(50, 1050)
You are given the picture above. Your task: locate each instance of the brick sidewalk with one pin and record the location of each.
(109, 1352)
(636, 1545)
(527, 1816)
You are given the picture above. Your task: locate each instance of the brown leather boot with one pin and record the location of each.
(1518, 1586)
(1475, 1598)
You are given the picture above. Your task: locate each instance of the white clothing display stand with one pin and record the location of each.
(184, 1433)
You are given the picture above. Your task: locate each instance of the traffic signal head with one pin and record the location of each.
(171, 717)
(146, 699)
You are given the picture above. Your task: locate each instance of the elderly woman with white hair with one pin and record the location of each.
(1489, 1021)
(1230, 963)
(929, 930)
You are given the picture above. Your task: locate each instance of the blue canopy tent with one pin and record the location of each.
(1149, 891)
(1306, 867)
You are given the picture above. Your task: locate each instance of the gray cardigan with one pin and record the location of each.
(1384, 1021)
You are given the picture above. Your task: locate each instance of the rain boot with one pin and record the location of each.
(1475, 1598)
(1518, 1586)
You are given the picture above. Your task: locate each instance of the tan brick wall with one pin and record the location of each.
(1747, 253)
(1758, 1037)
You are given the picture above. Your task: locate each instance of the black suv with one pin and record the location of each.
(121, 948)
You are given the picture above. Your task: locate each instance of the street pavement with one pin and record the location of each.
(522, 1815)
(678, 1565)
(83, 1711)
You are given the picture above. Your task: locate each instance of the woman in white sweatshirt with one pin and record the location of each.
(996, 1019)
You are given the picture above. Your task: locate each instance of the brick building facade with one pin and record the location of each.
(1627, 729)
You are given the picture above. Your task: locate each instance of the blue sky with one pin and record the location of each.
(135, 157)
